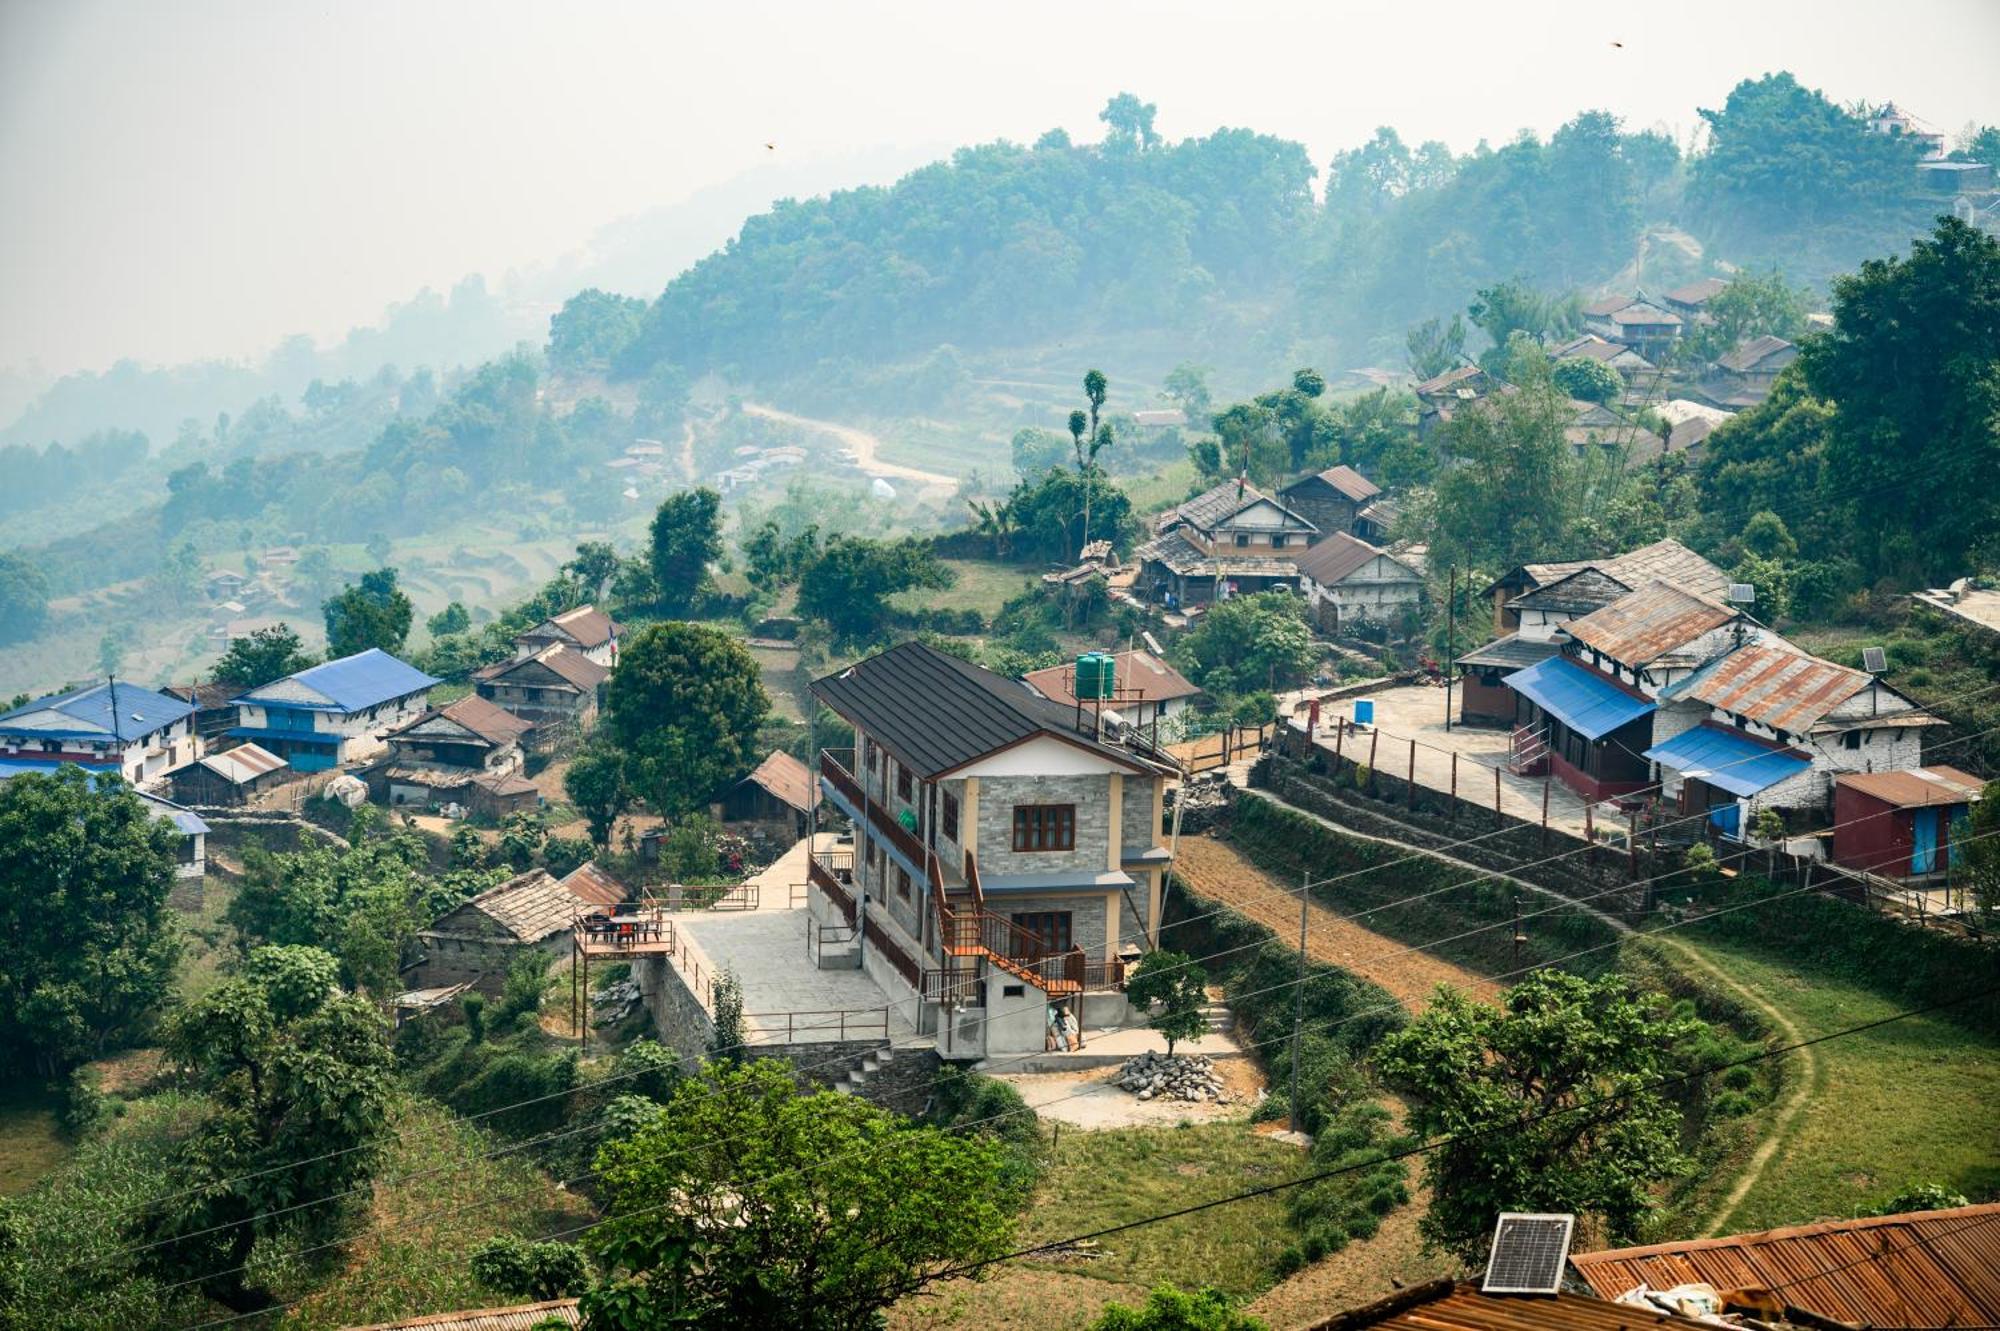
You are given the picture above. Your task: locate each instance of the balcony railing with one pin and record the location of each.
(833, 873)
(880, 819)
(625, 931)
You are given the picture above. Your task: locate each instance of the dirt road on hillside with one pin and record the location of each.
(867, 447)
(1217, 871)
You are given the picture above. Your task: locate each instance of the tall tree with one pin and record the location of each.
(374, 612)
(1551, 1100)
(24, 598)
(752, 1203)
(298, 1081)
(87, 944)
(261, 656)
(1435, 346)
(596, 784)
(684, 709)
(848, 585)
(686, 539)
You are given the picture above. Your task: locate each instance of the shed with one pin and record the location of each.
(230, 778)
(1901, 824)
(778, 791)
(478, 940)
(1447, 1305)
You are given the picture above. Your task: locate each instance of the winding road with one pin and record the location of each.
(867, 448)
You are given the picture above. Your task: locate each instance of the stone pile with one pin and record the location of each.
(1188, 1077)
(614, 1002)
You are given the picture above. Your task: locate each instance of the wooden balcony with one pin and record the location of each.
(832, 872)
(880, 820)
(624, 931)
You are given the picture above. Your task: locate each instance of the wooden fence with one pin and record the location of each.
(1224, 747)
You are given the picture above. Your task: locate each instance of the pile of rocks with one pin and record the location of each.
(1189, 1077)
(614, 1002)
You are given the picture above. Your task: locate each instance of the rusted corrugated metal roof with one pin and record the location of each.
(517, 1318)
(785, 778)
(592, 886)
(1917, 787)
(1918, 1269)
(1783, 689)
(1648, 624)
(1444, 1306)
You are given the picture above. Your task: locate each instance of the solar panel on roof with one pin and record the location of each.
(1742, 593)
(1874, 660)
(1528, 1253)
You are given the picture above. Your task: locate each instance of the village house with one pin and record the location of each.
(1594, 425)
(466, 753)
(593, 887)
(1377, 522)
(1145, 693)
(1532, 600)
(776, 797)
(1586, 714)
(110, 727)
(191, 851)
(230, 778)
(1907, 824)
(1008, 856)
(1690, 302)
(1635, 322)
(334, 713)
(478, 939)
(1230, 540)
(1346, 580)
(585, 630)
(556, 689)
(1764, 726)
(1441, 397)
(214, 708)
(1332, 499)
(1748, 370)
(1589, 346)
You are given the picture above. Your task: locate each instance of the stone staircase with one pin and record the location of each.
(865, 1069)
(1217, 1019)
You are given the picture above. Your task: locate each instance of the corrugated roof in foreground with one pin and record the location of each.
(1920, 1269)
(519, 1317)
(1442, 1305)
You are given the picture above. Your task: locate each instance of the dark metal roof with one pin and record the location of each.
(1512, 652)
(937, 713)
(1579, 593)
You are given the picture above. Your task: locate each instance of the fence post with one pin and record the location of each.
(1496, 797)
(1454, 785)
(1545, 812)
(1589, 835)
(1374, 741)
(1632, 845)
(1339, 736)
(1410, 778)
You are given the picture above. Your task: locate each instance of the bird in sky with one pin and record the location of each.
(1619, 45)
(771, 146)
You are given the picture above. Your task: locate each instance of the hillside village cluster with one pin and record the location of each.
(974, 878)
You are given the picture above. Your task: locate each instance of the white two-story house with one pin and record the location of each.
(1230, 540)
(1008, 857)
(335, 712)
(108, 727)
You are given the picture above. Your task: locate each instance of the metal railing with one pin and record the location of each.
(953, 986)
(628, 930)
(838, 887)
(812, 1027)
(819, 937)
(879, 818)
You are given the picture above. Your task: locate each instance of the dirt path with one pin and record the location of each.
(1218, 871)
(1796, 1097)
(687, 451)
(867, 447)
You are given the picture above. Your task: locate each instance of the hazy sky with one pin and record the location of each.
(185, 179)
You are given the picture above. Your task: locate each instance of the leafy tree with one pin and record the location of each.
(1435, 346)
(1170, 1309)
(683, 710)
(752, 1203)
(1752, 305)
(372, 613)
(686, 539)
(1920, 1197)
(454, 618)
(377, 548)
(24, 598)
(297, 1075)
(1094, 389)
(730, 1034)
(1506, 308)
(1912, 367)
(261, 656)
(87, 944)
(1186, 387)
(510, 1265)
(1979, 851)
(1131, 122)
(1551, 1101)
(596, 784)
(772, 560)
(1260, 640)
(1179, 986)
(849, 585)
(593, 329)
(595, 564)
(1588, 380)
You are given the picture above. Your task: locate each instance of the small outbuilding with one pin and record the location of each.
(778, 794)
(1905, 824)
(231, 778)
(478, 940)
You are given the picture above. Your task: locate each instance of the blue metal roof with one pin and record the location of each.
(1735, 763)
(111, 710)
(352, 683)
(1581, 699)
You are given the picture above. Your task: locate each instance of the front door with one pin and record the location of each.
(1923, 842)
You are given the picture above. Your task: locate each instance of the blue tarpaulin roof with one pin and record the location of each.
(113, 709)
(351, 683)
(1581, 699)
(1735, 763)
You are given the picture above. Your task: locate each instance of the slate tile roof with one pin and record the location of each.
(530, 906)
(586, 626)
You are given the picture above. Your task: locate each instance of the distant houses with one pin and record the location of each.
(1346, 580)
(1147, 693)
(230, 777)
(467, 753)
(1230, 540)
(109, 727)
(478, 940)
(555, 688)
(334, 713)
(775, 797)
(1332, 499)
(585, 630)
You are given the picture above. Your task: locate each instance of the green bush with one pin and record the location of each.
(515, 1267)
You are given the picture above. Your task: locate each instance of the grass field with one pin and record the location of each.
(1098, 1179)
(983, 585)
(1914, 1101)
(30, 1144)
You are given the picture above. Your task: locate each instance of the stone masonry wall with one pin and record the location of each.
(681, 1023)
(1135, 821)
(999, 794)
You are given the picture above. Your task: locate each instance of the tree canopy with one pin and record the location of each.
(374, 612)
(686, 539)
(261, 656)
(683, 710)
(752, 1203)
(847, 586)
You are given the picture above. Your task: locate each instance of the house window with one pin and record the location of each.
(1851, 740)
(902, 882)
(903, 789)
(1044, 827)
(1278, 541)
(870, 754)
(950, 816)
(1050, 930)
(1241, 540)
(868, 854)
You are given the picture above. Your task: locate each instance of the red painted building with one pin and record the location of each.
(1901, 824)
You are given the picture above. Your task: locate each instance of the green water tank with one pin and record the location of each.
(1096, 676)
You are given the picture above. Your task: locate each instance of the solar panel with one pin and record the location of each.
(1874, 660)
(1742, 593)
(1528, 1253)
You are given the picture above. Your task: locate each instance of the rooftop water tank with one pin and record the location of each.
(1096, 676)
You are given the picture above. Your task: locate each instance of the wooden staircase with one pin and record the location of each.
(967, 928)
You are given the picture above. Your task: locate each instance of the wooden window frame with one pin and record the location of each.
(948, 817)
(1044, 827)
(905, 787)
(1055, 928)
(902, 882)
